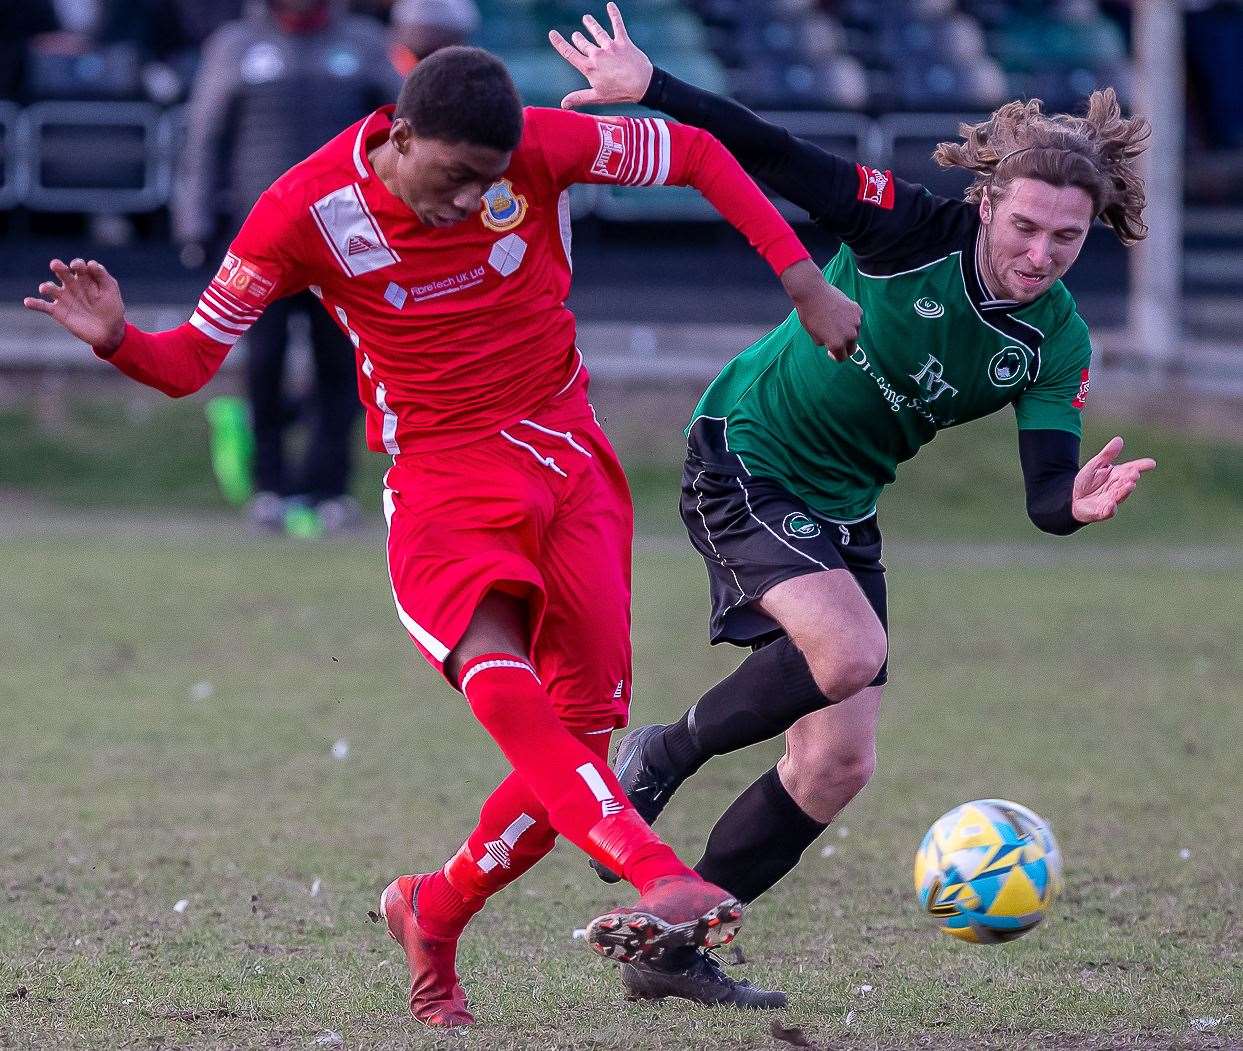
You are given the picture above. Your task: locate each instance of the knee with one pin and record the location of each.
(823, 780)
(845, 665)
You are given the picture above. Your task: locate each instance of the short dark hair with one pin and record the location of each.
(462, 94)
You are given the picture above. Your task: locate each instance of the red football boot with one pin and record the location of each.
(675, 911)
(437, 998)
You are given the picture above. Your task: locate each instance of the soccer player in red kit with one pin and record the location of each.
(437, 234)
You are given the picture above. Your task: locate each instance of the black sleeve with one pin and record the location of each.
(867, 208)
(1050, 462)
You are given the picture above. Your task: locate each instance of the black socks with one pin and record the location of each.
(758, 839)
(766, 695)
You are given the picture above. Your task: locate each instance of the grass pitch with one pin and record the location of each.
(168, 716)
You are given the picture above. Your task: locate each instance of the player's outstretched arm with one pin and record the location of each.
(85, 300)
(618, 72)
(1102, 484)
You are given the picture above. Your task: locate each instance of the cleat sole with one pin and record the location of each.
(641, 937)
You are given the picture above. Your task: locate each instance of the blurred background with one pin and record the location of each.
(139, 131)
(218, 746)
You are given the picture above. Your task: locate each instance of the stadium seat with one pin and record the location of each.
(845, 134)
(698, 68)
(514, 31)
(542, 76)
(910, 140)
(938, 86)
(95, 156)
(1065, 90)
(107, 73)
(836, 82)
(1037, 42)
(11, 172)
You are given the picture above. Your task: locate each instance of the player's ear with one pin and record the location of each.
(400, 134)
(986, 207)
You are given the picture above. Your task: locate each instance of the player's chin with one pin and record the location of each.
(1026, 287)
(440, 220)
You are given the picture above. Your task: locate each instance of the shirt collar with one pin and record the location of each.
(988, 299)
(372, 130)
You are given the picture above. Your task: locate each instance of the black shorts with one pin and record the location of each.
(754, 533)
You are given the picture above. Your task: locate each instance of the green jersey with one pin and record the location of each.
(936, 348)
(930, 355)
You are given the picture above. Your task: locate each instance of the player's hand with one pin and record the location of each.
(614, 67)
(1101, 485)
(830, 316)
(86, 300)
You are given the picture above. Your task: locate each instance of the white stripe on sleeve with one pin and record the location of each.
(211, 332)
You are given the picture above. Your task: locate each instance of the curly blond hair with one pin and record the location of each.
(1096, 152)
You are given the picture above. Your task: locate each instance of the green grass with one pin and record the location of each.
(1107, 700)
(142, 451)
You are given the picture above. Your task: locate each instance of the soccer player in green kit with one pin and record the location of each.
(963, 314)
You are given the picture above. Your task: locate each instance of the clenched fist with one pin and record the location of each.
(830, 316)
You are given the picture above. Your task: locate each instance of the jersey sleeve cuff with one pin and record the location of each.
(119, 350)
(786, 252)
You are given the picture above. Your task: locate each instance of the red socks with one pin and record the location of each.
(571, 781)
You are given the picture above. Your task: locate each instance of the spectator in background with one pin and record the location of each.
(272, 88)
(199, 19)
(423, 26)
(20, 24)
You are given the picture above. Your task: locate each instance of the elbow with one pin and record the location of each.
(184, 386)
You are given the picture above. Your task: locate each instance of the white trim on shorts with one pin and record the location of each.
(420, 634)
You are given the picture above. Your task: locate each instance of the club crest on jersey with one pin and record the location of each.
(799, 526)
(929, 308)
(502, 208)
(1009, 365)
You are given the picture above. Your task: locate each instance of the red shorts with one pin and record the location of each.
(541, 510)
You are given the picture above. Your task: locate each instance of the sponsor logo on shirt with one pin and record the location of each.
(896, 400)
(447, 286)
(1081, 399)
(799, 526)
(875, 186)
(929, 308)
(1008, 366)
(502, 208)
(612, 151)
(244, 279)
(358, 244)
(932, 382)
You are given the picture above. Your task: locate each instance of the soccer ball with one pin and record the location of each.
(988, 870)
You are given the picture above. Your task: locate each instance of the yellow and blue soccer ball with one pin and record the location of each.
(988, 870)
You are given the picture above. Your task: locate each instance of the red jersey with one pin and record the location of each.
(458, 331)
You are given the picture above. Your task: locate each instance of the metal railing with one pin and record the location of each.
(121, 157)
